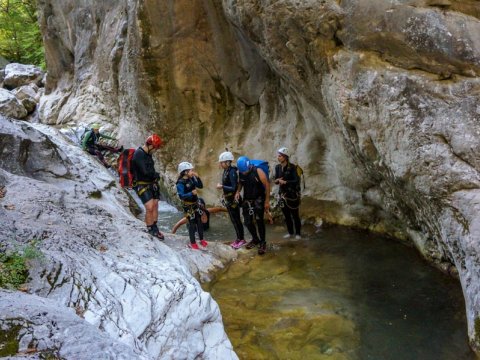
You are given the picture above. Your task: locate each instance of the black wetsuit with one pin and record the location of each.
(191, 206)
(145, 178)
(203, 207)
(290, 196)
(253, 207)
(230, 186)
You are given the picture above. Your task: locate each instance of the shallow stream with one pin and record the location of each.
(336, 294)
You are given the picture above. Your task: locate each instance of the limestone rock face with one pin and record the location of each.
(17, 75)
(94, 259)
(10, 106)
(47, 322)
(378, 101)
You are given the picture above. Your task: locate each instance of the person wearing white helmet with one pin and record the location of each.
(187, 184)
(229, 186)
(289, 183)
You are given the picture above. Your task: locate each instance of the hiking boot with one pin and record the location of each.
(153, 230)
(194, 246)
(203, 243)
(262, 248)
(287, 236)
(251, 244)
(240, 243)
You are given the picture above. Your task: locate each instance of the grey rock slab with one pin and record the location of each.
(51, 328)
(10, 106)
(96, 257)
(17, 75)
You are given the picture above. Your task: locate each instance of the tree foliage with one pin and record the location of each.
(20, 37)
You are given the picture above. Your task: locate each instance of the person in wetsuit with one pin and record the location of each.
(145, 181)
(229, 186)
(91, 145)
(289, 184)
(187, 184)
(256, 201)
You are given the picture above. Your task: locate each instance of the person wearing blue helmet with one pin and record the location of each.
(256, 201)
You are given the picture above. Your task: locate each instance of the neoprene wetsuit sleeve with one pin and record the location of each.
(197, 182)
(232, 175)
(85, 139)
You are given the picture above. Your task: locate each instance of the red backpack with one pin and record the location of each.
(125, 168)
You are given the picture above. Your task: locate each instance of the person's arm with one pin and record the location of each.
(197, 182)
(181, 192)
(239, 190)
(216, 209)
(266, 185)
(106, 136)
(181, 222)
(85, 139)
(278, 167)
(232, 175)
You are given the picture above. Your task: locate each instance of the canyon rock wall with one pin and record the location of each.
(378, 101)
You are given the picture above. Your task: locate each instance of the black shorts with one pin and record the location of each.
(148, 192)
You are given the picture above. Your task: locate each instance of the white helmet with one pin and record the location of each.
(184, 166)
(226, 156)
(284, 151)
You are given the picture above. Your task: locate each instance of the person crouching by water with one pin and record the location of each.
(146, 182)
(187, 184)
(256, 201)
(289, 191)
(229, 186)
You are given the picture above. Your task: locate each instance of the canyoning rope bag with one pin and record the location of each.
(125, 168)
(300, 175)
(262, 164)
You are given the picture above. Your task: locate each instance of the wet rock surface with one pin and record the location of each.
(377, 101)
(94, 258)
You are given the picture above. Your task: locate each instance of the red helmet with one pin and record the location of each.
(155, 141)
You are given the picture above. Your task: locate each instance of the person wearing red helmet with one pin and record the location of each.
(146, 182)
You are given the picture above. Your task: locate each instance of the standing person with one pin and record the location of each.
(91, 145)
(229, 186)
(256, 201)
(145, 180)
(187, 184)
(286, 176)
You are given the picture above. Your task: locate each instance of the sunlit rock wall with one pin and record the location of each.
(378, 100)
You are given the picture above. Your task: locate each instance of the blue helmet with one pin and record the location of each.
(243, 163)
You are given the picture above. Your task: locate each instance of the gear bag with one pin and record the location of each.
(125, 168)
(300, 176)
(262, 164)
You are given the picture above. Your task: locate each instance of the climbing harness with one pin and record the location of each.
(284, 201)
